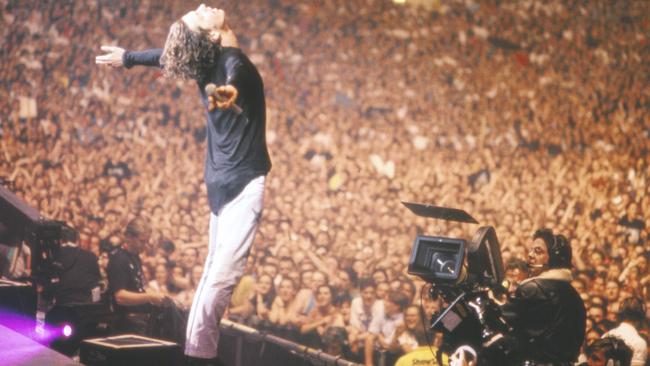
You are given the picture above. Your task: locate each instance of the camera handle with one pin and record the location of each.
(448, 318)
(497, 345)
(488, 335)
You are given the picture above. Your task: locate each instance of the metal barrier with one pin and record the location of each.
(240, 345)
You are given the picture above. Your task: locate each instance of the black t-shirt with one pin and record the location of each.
(79, 275)
(124, 272)
(236, 149)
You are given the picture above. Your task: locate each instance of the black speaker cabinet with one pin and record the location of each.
(17, 299)
(129, 349)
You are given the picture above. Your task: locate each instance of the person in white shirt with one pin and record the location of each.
(631, 315)
(363, 310)
(365, 307)
(383, 329)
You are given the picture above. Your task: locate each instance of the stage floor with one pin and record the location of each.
(18, 350)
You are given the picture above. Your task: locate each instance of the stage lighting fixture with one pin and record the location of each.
(67, 330)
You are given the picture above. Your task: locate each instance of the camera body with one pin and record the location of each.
(437, 259)
(466, 275)
(450, 261)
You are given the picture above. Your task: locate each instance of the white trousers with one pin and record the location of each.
(231, 234)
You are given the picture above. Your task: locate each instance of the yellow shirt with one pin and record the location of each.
(243, 291)
(422, 356)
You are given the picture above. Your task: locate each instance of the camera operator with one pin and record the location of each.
(80, 277)
(546, 312)
(126, 281)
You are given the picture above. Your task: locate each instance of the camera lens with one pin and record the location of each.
(444, 263)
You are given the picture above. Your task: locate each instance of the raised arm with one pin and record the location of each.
(226, 95)
(119, 57)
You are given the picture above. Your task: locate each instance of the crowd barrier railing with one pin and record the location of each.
(241, 345)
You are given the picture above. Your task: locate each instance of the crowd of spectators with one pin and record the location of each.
(525, 114)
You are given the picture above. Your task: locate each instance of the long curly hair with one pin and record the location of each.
(188, 54)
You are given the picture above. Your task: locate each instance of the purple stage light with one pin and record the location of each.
(67, 331)
(35, 329)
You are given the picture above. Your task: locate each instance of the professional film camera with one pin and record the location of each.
(467, 276)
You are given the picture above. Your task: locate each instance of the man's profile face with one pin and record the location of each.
(205, 19)
(537, 256)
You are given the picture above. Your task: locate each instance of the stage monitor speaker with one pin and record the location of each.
(17, 299)
(129, 349)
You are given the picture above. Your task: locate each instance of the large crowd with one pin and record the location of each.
(525, 114)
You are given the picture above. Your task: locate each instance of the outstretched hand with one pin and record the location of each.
(112, 57)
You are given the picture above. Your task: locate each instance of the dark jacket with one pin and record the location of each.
(548, 318)
(79, 275)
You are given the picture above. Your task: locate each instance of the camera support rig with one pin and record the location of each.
(465, 276)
